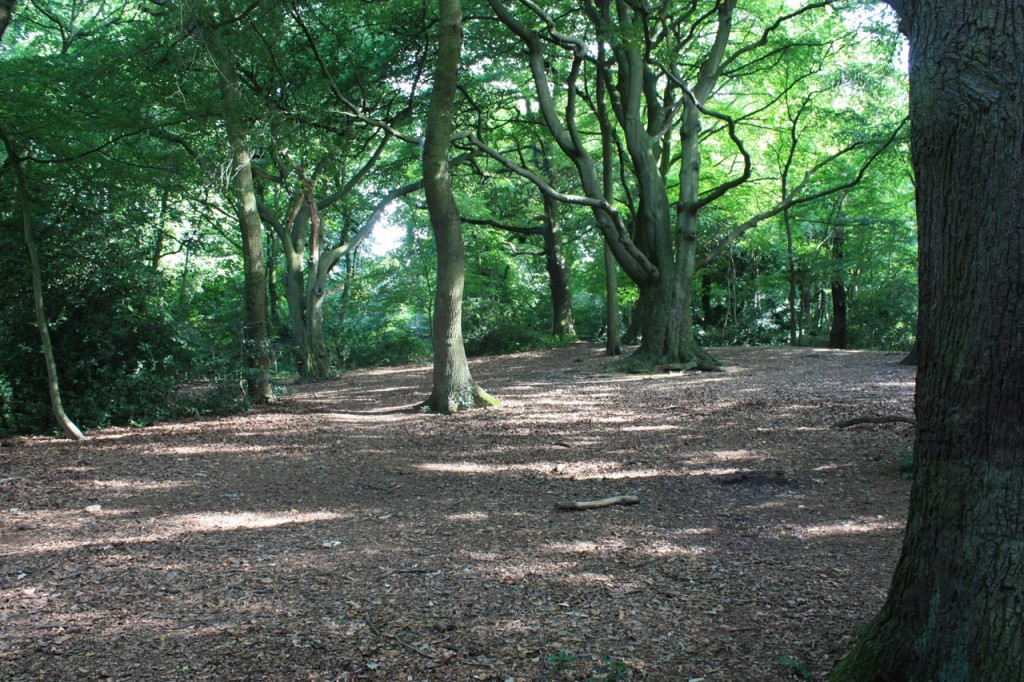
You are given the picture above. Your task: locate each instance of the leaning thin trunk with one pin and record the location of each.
(63, 421)
(453, 386)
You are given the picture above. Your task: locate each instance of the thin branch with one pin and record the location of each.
(795, 200)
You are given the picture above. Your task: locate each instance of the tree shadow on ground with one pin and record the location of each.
(338, 535)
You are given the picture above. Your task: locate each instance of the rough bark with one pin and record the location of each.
(955, 610)
(453, 386)
(52, 383)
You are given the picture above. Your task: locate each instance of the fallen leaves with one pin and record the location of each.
(340, 535)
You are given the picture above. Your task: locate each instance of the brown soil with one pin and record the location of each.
(341, 535)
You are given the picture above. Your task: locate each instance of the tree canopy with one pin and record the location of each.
(212, 184)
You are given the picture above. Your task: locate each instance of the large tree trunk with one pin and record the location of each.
(453, 386)
(256, 345)
(668, 325)
(62, 419)
(955, 610)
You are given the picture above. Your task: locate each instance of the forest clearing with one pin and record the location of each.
(340, 534)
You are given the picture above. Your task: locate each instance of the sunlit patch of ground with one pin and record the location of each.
(342, 535)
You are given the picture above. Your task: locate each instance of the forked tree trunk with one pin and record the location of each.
(955, 610)
(57, 407)
(453, 386)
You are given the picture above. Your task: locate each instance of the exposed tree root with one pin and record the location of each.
(643, 363)
(473, 397)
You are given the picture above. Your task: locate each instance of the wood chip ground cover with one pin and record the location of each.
(339, 534)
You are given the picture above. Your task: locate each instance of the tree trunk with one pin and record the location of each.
(256, 346)
(6, 13)
(453, 386)
(63, 421)
(668, 328)
(317, 366)
(562, 324)
(911, 357)
(955, 610)
(790, 271)
(837, 333)
(613, 345)
(273, 294)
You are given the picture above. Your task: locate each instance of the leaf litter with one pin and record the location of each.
(340, 534)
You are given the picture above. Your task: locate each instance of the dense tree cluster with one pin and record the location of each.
(202, 177)
(188, 186)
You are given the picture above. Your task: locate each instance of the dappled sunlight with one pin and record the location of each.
(585, 547)
(130, 485)
(597, 469)
(331, 532)
(239, 520)
(849, 527)
(728, 455)
(468, 516)
(905, 383)
(160, 529)
(369, 417)
(618, 475)
(713, 471)
(479, 468)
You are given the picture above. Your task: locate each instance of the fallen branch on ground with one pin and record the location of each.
(597, 504)
(885, 419)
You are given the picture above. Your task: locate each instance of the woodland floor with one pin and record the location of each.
(341, 535)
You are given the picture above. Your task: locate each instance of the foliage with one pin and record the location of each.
(116, 109)
(797, 668)
(606, 669)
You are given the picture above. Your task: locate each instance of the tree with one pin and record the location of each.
(955, 610)
(314, 188)
(453, 386)
(36, 269)
(6, 12)
(664, 65)
(257, 346)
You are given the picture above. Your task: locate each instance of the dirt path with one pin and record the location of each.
(340, 535)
